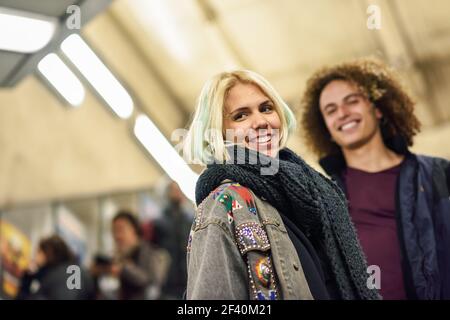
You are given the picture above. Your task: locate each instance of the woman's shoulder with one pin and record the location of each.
(232, 207)
(224, 202)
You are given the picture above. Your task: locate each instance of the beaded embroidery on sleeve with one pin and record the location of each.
(251, 240)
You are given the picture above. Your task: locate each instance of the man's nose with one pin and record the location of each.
(342, 112)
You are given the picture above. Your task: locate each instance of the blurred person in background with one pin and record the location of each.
(139, 268)
(359, 120)
(47, 277)
(172, 231)
(279, 233)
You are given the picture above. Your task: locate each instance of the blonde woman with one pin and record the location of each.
(267, 225)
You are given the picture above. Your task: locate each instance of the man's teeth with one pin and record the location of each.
(349, 125)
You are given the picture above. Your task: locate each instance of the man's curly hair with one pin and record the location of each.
(378, 83)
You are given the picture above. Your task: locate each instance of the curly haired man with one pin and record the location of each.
(359, 121)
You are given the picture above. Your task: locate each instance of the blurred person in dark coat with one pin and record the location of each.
(172, 232)
(136, 264)
(47, 278)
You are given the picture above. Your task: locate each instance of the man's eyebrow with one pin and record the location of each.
(351, 95)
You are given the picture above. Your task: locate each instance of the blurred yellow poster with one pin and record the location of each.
(15, 251)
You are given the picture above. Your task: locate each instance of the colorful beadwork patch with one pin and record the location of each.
(263, 271)
(220, 189)
(251, 236)
(220, 194)
(272, 295)
(236, 205)
(261, 276)
(227, 201)
(230, 217)
(245, 194)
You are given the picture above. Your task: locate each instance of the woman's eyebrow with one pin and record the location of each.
(240, 109)
(246, 108)
(265, 102)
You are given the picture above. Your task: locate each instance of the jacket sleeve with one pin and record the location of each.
(216, 269)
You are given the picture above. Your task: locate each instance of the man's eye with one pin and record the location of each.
(331, 110)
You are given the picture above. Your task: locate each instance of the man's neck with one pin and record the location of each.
(373, 156)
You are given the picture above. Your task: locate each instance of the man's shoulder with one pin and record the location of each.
(433, 161)
(438, 169)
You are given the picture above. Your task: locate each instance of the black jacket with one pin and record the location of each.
(50, 283)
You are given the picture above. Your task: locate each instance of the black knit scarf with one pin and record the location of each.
(313, 202)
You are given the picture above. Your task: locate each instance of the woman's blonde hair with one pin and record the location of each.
(204, 142)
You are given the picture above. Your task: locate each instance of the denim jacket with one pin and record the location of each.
(239, 249)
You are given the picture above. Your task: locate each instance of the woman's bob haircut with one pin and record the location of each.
(205, 142)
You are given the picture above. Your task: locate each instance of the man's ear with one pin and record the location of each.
(378, 113)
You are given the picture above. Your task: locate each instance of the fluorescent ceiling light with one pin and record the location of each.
(62, 79)
(167, 157)
(25, 32)
(98, 75)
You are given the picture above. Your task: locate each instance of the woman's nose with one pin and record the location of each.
(259, 122)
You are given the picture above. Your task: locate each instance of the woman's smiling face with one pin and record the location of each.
(251, 119)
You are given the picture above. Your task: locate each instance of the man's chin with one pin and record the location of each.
(353, 145)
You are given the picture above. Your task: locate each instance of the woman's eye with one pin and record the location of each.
(353, 101)
(267, 108)
(239, 116)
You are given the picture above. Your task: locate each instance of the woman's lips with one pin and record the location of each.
(261, 139)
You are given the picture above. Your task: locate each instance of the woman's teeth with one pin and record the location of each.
(263, 139)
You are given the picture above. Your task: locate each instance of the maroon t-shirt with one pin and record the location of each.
(372, 207)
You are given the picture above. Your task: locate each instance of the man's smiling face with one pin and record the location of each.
(349, 116)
